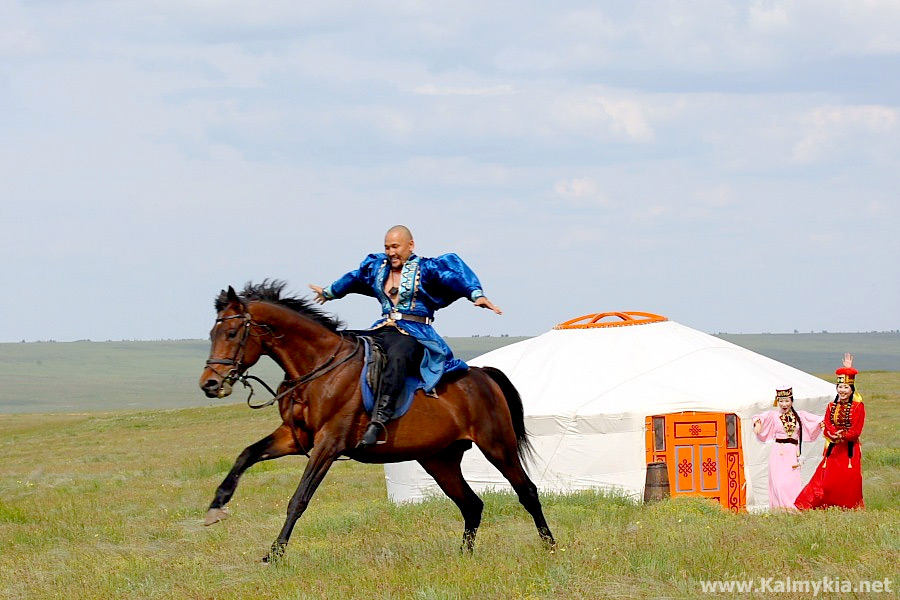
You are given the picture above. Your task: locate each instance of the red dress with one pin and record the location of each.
(838, 478)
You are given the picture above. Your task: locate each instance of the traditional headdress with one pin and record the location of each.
(785, 392)
(846, 375)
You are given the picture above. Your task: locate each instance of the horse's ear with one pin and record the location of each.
(232, 298)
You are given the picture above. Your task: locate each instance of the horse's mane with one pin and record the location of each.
(270, 291)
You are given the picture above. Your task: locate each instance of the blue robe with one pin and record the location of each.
(426, 285)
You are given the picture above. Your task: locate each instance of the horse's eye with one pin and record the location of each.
(231, 334)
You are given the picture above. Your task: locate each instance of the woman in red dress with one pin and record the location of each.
(838, 478)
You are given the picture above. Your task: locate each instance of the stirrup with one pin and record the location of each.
(378, 425)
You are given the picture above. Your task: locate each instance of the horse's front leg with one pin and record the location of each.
(320, 460)
(279, 443)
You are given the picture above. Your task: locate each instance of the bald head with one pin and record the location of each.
(398, 245)
(402, 230)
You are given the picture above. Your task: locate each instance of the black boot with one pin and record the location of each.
(370, 437)
(380, 416)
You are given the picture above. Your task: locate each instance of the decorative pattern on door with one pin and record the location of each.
(703, 455)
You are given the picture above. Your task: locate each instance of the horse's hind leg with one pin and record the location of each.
(507, 461)
(444, 467)
(279, 443)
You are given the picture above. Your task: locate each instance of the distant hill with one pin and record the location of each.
(111, 376)
(822, 352)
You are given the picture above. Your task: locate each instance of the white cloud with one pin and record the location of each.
(454, 172)
(826, 126)
(579, 236)
(581, 191)
(19, 42)
(651, 213)
(602, 115)
(768, 16)
(19, 38)
(434, 90)
(718, 196)
(628, 117)
(856, 26)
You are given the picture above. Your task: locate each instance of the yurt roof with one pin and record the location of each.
(644, 364)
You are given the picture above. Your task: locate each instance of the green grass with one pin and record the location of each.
(109, 505)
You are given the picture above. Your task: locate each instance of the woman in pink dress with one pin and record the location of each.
(789, 428)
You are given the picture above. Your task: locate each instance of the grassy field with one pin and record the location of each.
(110, 505)
(91, 376)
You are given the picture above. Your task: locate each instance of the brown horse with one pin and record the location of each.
(322, 411)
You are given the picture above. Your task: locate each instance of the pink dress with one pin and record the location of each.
(784, 472)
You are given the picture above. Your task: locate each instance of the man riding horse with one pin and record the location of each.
(410, 289)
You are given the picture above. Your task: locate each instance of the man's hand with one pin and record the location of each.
(483, 302)
(848, 360)
(318, 289)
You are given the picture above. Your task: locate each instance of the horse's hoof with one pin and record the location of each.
(214, 515)
(468, 544)
(274, 555)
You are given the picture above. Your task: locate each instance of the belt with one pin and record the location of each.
(785, 441)
(397, 316)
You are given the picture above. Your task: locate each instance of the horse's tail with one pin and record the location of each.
(514, 401)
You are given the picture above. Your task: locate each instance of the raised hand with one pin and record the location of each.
(319, 297)
(848, 360)
(483, 302)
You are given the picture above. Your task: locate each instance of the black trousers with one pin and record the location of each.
(404, 355)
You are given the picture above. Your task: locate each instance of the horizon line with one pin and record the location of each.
(473, 335)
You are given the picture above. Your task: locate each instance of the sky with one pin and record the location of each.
(733, 166)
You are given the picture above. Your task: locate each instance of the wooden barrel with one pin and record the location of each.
(656, 486)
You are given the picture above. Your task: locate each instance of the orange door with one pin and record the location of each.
(703, 455)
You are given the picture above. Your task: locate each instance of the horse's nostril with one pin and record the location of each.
(210, 384)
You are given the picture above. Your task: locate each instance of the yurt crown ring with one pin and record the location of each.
(626, 318)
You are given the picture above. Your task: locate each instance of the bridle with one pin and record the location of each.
(235, 361)
(234, 374)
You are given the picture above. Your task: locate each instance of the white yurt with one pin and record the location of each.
(607, 394)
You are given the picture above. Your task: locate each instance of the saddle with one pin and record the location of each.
(376, 359)
(370, 379)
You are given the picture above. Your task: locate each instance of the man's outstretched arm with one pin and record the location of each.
(355, 282)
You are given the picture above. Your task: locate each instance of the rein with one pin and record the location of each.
(234, 374)
(295, 383)
(317, 372)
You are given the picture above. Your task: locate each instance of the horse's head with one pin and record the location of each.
(234, 347)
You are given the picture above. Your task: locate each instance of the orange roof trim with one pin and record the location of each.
(627, 318)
